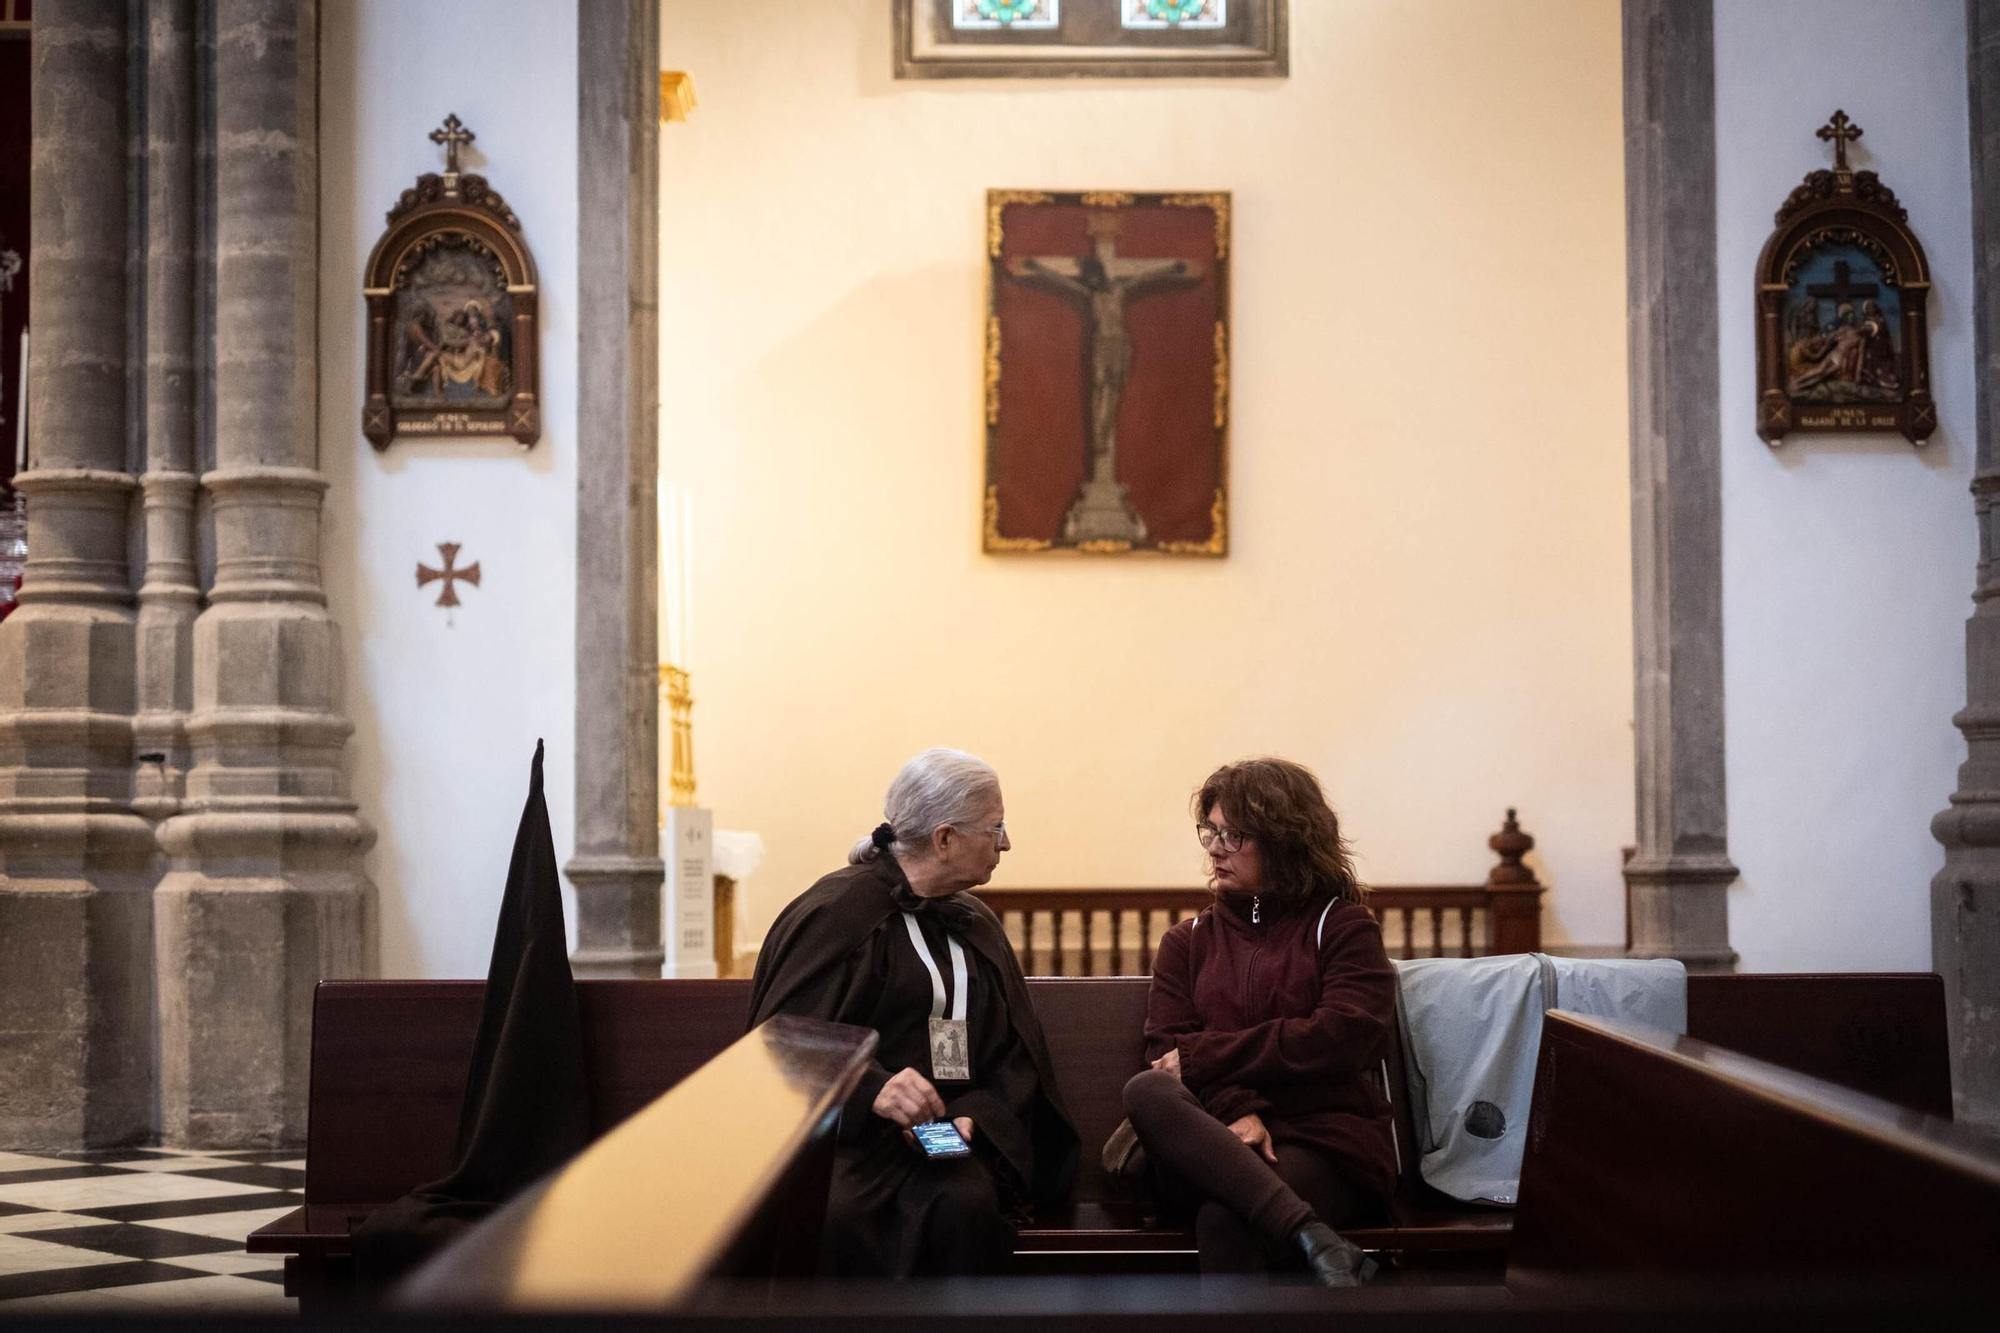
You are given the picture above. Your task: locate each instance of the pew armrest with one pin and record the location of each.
(320, 1229)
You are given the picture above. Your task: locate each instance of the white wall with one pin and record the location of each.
(447, 707)
(1427, 596)
(1847, 561)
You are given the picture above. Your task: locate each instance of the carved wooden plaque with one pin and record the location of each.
(452, 318)
(1843, 340)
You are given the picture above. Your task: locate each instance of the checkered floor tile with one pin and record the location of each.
(132, 1230)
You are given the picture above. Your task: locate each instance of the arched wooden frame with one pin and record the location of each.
(1854, 208)
(463, 210)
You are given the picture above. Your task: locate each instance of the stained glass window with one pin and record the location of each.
(1009, 14)
(1175, 13)
(1010, 39)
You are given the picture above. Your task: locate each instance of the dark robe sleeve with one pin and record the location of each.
(1049, 1128)
(1171, 1017)
(1002, 1099)
(836, 995)
(1346, 1033)
(815, 964)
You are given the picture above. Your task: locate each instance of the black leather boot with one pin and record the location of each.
(1334, 1262)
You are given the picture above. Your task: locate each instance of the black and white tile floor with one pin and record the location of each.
(134, 1230)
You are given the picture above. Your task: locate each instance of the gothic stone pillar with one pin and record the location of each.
(169, 596)
(1678, 878)
(617, 871)
(265, 894)
(1965, 895)
(75, 941)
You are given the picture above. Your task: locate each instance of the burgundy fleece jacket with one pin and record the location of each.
(1268, 1022)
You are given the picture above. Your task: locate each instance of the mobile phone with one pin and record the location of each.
(940, 1138)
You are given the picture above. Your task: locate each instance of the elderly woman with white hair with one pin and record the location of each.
(894, 942)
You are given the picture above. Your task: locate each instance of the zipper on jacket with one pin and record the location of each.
(1256, 909)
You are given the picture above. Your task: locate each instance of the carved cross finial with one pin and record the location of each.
(1842, 132)
(453, 135)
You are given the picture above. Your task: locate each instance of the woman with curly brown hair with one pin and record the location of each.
(1268, 1016)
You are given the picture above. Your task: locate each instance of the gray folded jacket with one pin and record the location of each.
(1471, 1031)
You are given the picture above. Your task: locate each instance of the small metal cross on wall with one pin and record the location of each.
(452, 136)
(1843, 132)
(450, 574)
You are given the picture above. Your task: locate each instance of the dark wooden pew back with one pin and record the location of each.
(1096, 1032)
(1651, 1153)
(1879, 1032)
(389, 1057)
(389, 1060)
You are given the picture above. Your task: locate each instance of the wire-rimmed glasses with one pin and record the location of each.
(1227, 839)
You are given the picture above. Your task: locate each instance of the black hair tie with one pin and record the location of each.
(883, 836)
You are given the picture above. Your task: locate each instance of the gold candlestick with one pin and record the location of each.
(680, 709)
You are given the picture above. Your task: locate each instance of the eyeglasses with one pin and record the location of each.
(998, 832)
(1228, 839)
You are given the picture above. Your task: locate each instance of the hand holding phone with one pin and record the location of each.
(940, 1138)
(907, 1099)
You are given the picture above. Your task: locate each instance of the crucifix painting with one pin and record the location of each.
(1842, 338)
(1107, 372)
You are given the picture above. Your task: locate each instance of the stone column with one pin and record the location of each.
(168, 596)
(1678, 878)
(616, 871)
(1965, 895)
(265, 895)
(76, 1062)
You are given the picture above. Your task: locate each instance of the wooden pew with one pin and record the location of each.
(395, 1053)
(1878, 1032)
(723, 1176)
(1649, 1153)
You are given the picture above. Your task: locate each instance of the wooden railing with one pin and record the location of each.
(1096, 932)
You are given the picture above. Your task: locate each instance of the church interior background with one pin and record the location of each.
(1470, 564)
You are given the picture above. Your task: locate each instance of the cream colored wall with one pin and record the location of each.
(1427, 596)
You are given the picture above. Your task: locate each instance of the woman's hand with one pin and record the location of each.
(1171, 1061)
(908, 1099)
(1251, 1132)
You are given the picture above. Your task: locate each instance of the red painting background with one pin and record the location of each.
(1170, 451)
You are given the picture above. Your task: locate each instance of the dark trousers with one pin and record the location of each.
(1245, 1210)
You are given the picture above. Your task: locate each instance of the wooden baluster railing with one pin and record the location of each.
(1503, 915)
